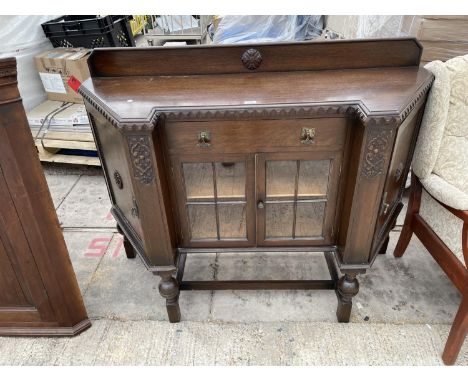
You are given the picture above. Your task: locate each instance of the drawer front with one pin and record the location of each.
(256, 136)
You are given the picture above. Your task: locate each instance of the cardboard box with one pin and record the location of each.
(442, 37)
(55, 68)
(70, 115)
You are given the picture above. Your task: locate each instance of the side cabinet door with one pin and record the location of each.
(296, 197)
(396, 178)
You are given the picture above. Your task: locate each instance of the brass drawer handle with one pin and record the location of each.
(204, 139)
(307, 136)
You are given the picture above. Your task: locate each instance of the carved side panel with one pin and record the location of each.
(375, 154)
(150, 199)
(140, 153)
(376, 148)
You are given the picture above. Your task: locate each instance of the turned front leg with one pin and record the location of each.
(347, 288)
(129, 250)
(169, 289)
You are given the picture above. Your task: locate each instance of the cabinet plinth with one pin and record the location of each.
(303, 153)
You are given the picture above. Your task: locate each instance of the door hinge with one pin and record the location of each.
(385, 206)
(135, 211)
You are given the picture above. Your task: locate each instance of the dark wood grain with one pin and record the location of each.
(258, 136)
(380, 90)
(39, 292)
(279, 57)
(171, 107)
(258, 284)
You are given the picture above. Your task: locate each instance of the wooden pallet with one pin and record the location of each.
(49, 146)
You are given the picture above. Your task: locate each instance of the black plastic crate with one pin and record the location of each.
(89, 31)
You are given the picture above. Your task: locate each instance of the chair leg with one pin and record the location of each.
(413, 208)
(457, 334)
(404, 239)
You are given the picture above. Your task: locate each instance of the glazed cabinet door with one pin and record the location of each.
(215, 200)
(296, 197)
(257, 199)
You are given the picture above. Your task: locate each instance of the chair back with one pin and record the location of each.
(442, 146)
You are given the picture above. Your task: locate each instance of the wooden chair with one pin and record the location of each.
(438, 204)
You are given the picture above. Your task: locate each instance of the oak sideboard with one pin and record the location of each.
(257, 147)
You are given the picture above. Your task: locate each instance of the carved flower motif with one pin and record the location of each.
(141, 158)
(375, 155)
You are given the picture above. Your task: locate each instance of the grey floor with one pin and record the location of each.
(401, 315)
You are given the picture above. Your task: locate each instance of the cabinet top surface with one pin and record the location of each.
(288, 75)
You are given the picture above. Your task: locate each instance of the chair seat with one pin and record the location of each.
(445, 224)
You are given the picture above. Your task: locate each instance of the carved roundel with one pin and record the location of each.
(118, 179)
(251, 59)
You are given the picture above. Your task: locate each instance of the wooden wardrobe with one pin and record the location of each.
(39, 294)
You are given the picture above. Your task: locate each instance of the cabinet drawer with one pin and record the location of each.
(256, 136)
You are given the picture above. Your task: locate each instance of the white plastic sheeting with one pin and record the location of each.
(22, 37)
(240, 29)
(178, 23)
(368, 26)
(373, 26)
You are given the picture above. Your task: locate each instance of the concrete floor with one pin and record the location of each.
(401, 315)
